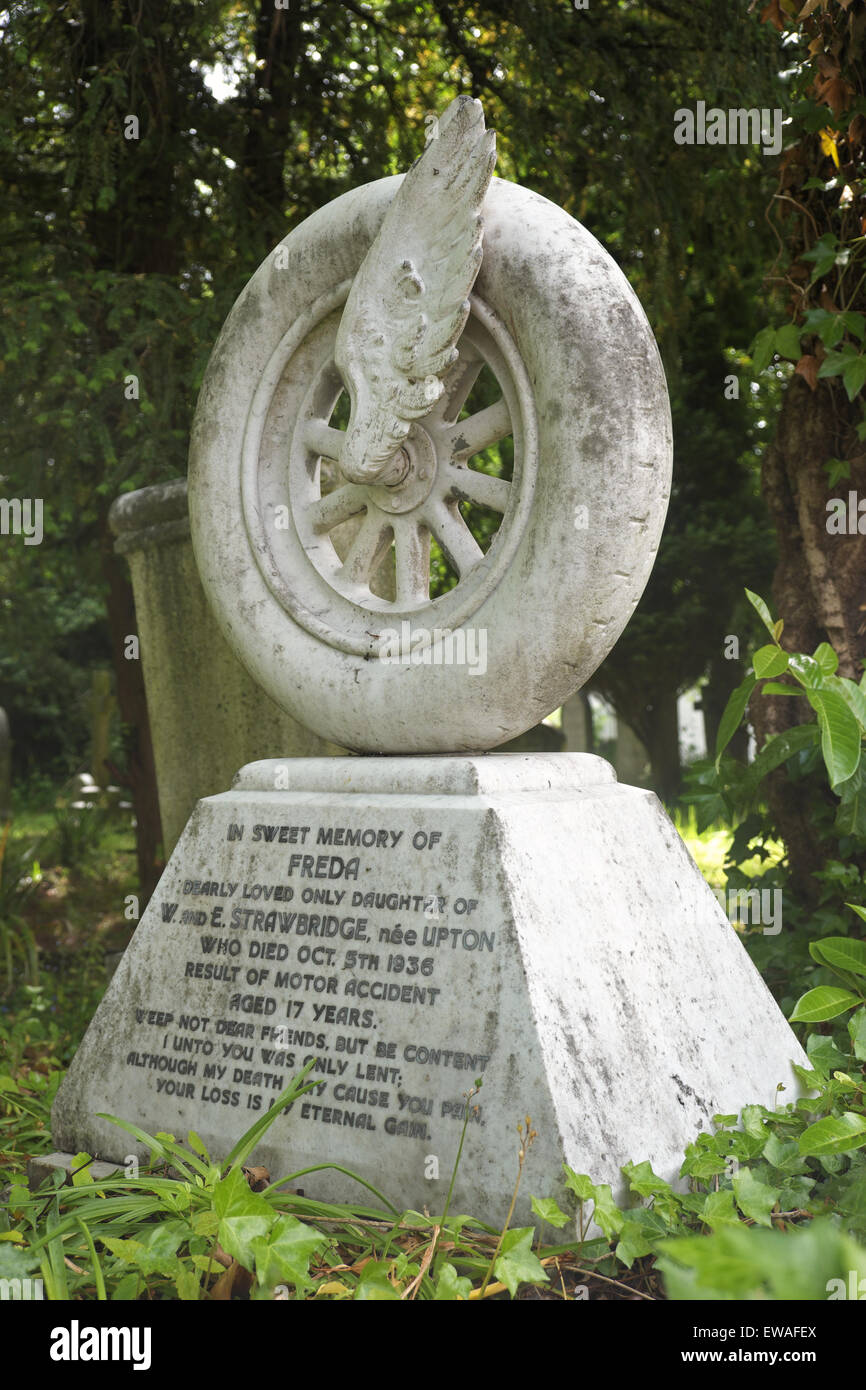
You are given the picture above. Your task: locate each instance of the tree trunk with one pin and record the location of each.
(659, 731)
(818, 588)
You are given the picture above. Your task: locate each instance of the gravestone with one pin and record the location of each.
(414, 925)
(207, 716)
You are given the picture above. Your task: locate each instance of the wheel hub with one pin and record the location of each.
(410, 477)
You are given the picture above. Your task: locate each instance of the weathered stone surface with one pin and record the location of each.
(207, 717)
(582, 394)
(519, 918)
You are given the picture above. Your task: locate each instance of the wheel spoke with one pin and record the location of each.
(368, 549)
(455, 538)
(323, 440)
(472, 486)
(337, 506)
(478, 431)
(412, 556)
(458, 382)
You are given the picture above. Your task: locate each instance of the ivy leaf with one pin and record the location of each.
(835, 1134)
(517, 1263)
(754, 1198)
(838, 362)
(763, 348)
(451, 1286)
(547, 1208)
(837, 471)
(784, 1154)
(243, 1217)
(855, 323)
(642, 1228)
(606, 1213)
(283, 1256)
(374, 1286)
(719, 1209)
(819, 1005)
(823, 254)
(788, 341)
(578, 1183)
(854, 376)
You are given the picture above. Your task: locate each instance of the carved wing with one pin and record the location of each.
(409, 300)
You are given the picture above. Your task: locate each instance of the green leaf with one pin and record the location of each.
(779, 749)
(837, 471)
(606, 1213)
(547, 1208)
(836, 363)
(854, 376)
(851, 815)
(825, 1002)
(517, 1263)
(857, 1033)
(788, 341)
(834, 1135)
(244, 1216)
(733, 714)
(824, 1054)
(754, 1198)
(763, 348)
(450, 1285)
(283, 1255)
(642, 1228)
(777, 688)
(769, 661)
(762, 610)
(719, 1210)
(578, 1183)
(80, 1169)
(644, 1181)
(840, 952)
(374, 1286)
(840, 735)
(784, 1154)
(826, 658)
(823, 253)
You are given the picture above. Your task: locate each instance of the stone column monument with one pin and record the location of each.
(431, 913)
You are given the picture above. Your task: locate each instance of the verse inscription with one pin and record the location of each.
(321, 957)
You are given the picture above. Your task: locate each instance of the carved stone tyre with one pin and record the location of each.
(323, 586)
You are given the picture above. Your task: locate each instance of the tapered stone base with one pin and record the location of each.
(414, 924)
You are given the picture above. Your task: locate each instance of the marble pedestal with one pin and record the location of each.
(413, 924)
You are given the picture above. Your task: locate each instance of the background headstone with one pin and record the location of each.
(577, 723)
(207, 717)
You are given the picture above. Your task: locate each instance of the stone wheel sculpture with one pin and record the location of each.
(416, 366)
